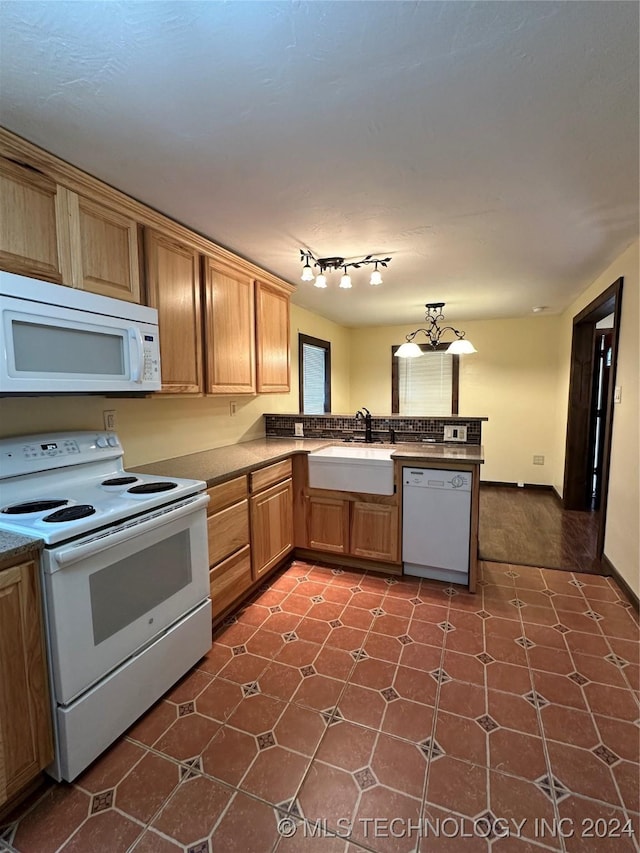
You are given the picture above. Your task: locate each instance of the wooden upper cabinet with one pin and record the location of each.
(173, 287)
(229, 329)
(29, 223)
(273, 360)
(26, 745)
(104, 248)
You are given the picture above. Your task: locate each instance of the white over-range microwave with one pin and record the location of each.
(56, 339)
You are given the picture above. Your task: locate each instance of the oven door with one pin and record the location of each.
(109, 595)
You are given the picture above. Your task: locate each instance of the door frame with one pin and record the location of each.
(577, 461)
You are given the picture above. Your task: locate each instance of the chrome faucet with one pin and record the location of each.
(365, 415)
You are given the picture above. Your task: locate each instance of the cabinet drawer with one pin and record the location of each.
(227, 531)
(226, 494)
(228, 580)
(271, 474)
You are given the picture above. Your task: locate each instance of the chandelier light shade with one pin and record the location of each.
(434, 331)
(324, 265)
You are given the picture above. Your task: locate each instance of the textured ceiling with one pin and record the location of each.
(491, 148)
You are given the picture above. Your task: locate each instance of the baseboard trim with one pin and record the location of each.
(557, 495)
(538, 486)
(610, 569)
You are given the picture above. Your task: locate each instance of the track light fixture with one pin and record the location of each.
(434, 331)
(309, 261)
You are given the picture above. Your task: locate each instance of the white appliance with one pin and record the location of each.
(125, 578)
(59, 339)
(436, 523)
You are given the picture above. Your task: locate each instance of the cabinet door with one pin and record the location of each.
(25, 714)
(105, 251)
(173, 287)
(28, 223)
(374, 531)
(273, 361)
(328, 524)
(230, 347)
(271, 526)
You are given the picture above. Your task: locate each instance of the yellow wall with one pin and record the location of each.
(622, 541)
(161, 427)
(512, 380)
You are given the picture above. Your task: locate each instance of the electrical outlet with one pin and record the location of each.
(109, 419)
(520, 485)
(538, 460)
(233, 408)
(617, 394)
(298, 429)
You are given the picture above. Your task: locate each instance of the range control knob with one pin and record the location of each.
(113, 441)
(101, 441)
(457, 481)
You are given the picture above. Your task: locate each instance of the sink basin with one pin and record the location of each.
(352, 469)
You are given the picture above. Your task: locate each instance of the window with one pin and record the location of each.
(314, 366)
(426, 385)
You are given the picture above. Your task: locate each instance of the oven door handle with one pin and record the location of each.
(101, 542)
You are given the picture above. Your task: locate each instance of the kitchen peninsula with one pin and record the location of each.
(262, 510)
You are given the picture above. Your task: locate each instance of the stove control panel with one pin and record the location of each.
(49, 448)
(29, 453)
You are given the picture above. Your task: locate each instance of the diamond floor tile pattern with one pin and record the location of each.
(343, 711)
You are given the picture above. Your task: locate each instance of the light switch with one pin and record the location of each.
(617, 394)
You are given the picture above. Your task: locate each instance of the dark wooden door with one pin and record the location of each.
(577, 485)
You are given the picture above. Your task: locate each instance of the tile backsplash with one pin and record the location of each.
(345, 426)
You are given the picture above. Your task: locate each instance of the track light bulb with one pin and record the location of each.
(345, 281)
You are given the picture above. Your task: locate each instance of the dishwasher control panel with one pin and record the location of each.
(434, 478)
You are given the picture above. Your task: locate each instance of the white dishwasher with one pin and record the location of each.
(436, 523)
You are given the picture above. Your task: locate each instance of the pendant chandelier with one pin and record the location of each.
(434, 332)
(328, 264)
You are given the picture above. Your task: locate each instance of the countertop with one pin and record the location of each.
(221, 463)
(15, 545)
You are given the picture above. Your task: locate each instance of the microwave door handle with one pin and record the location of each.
(99, 544)
(137, 363)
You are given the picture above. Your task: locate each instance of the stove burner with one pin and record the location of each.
(34, 506)
(70, 513)
(119, 481)
(151, 488)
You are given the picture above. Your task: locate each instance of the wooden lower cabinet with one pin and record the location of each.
(328, 524)
(228, 538)
(271, 526)
(229, 579)
(26, 745)
(353, 527)
(227, 531)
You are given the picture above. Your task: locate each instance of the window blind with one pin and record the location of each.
(424, 384)
(314, 379)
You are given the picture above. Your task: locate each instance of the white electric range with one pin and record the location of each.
(125, 576)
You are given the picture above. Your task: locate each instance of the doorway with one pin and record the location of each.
(591, 399)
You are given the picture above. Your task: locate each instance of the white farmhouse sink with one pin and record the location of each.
(352, 469)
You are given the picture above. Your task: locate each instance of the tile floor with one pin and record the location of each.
(395, 710)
